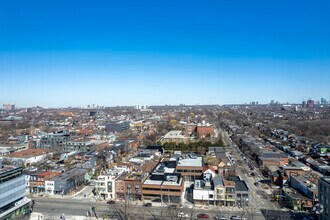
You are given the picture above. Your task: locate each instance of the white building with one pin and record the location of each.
(106, 183)
(203, 193)
(49, 187)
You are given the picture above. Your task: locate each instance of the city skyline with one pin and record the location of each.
(113, 54)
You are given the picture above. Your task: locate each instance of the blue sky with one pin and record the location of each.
(74, 53)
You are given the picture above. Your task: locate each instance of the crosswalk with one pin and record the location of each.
(51, 217)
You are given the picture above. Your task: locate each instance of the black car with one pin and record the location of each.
(147, 204)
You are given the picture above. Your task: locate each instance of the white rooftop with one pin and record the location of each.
(191, 162)
(174, 134)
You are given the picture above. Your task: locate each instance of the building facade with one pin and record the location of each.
(324, 198)
(13, 204)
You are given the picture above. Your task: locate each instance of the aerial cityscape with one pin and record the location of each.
(151, 110)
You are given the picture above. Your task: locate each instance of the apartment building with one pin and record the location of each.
(205, 130)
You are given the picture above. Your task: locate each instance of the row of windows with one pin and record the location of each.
(189, 171)
(164, 190)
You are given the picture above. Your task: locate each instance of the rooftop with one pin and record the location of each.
(191, 162)
(174, 134)
(326, 179)
(27, 153)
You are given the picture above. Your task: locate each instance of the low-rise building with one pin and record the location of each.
(272, 158)
(129, 186)
(175, 136)
(37, 181)
(105, 184)
(190, 167)
(26, 157)
(243, 195)
(164, 185)
(304, 185)
(203, 193)
(230, 193)
(65, 182)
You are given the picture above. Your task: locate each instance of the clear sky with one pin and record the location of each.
(74, 53)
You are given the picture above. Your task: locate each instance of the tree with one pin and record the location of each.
(210, 160)
(68, 163)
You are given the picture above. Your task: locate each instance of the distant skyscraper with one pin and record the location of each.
(323, 101)
(310, 103)
(272, 102)
(304, 104)
(9, 107)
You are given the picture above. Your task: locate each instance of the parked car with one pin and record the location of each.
(147, 204)
(182, 215)
(220, 217)
(235, 217)
(256, 184)
(203, 215)
(111, 202)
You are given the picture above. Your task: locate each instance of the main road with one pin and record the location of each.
(53, 208)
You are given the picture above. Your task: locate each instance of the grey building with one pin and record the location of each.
(53, 140)
(324, 198)
(68, 181)
(117, 126)
(13, 204)
(80, 146)
(242, 191)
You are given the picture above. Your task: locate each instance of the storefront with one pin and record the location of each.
(19, 210)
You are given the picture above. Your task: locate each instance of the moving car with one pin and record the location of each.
(203, 215)
(111, 202)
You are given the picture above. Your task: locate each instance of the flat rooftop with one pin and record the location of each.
(191, 162)
(174, 134)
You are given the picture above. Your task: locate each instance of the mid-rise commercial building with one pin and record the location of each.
(190, 167)
(164, 185)
(117, 126)
(52, 140)
(13, 204)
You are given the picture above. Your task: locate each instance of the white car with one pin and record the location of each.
(182, 215)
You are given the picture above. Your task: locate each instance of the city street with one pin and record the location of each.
(259, 199)
(52, 208)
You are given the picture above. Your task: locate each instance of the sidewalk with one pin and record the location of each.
(39, 216)
(69, 196)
